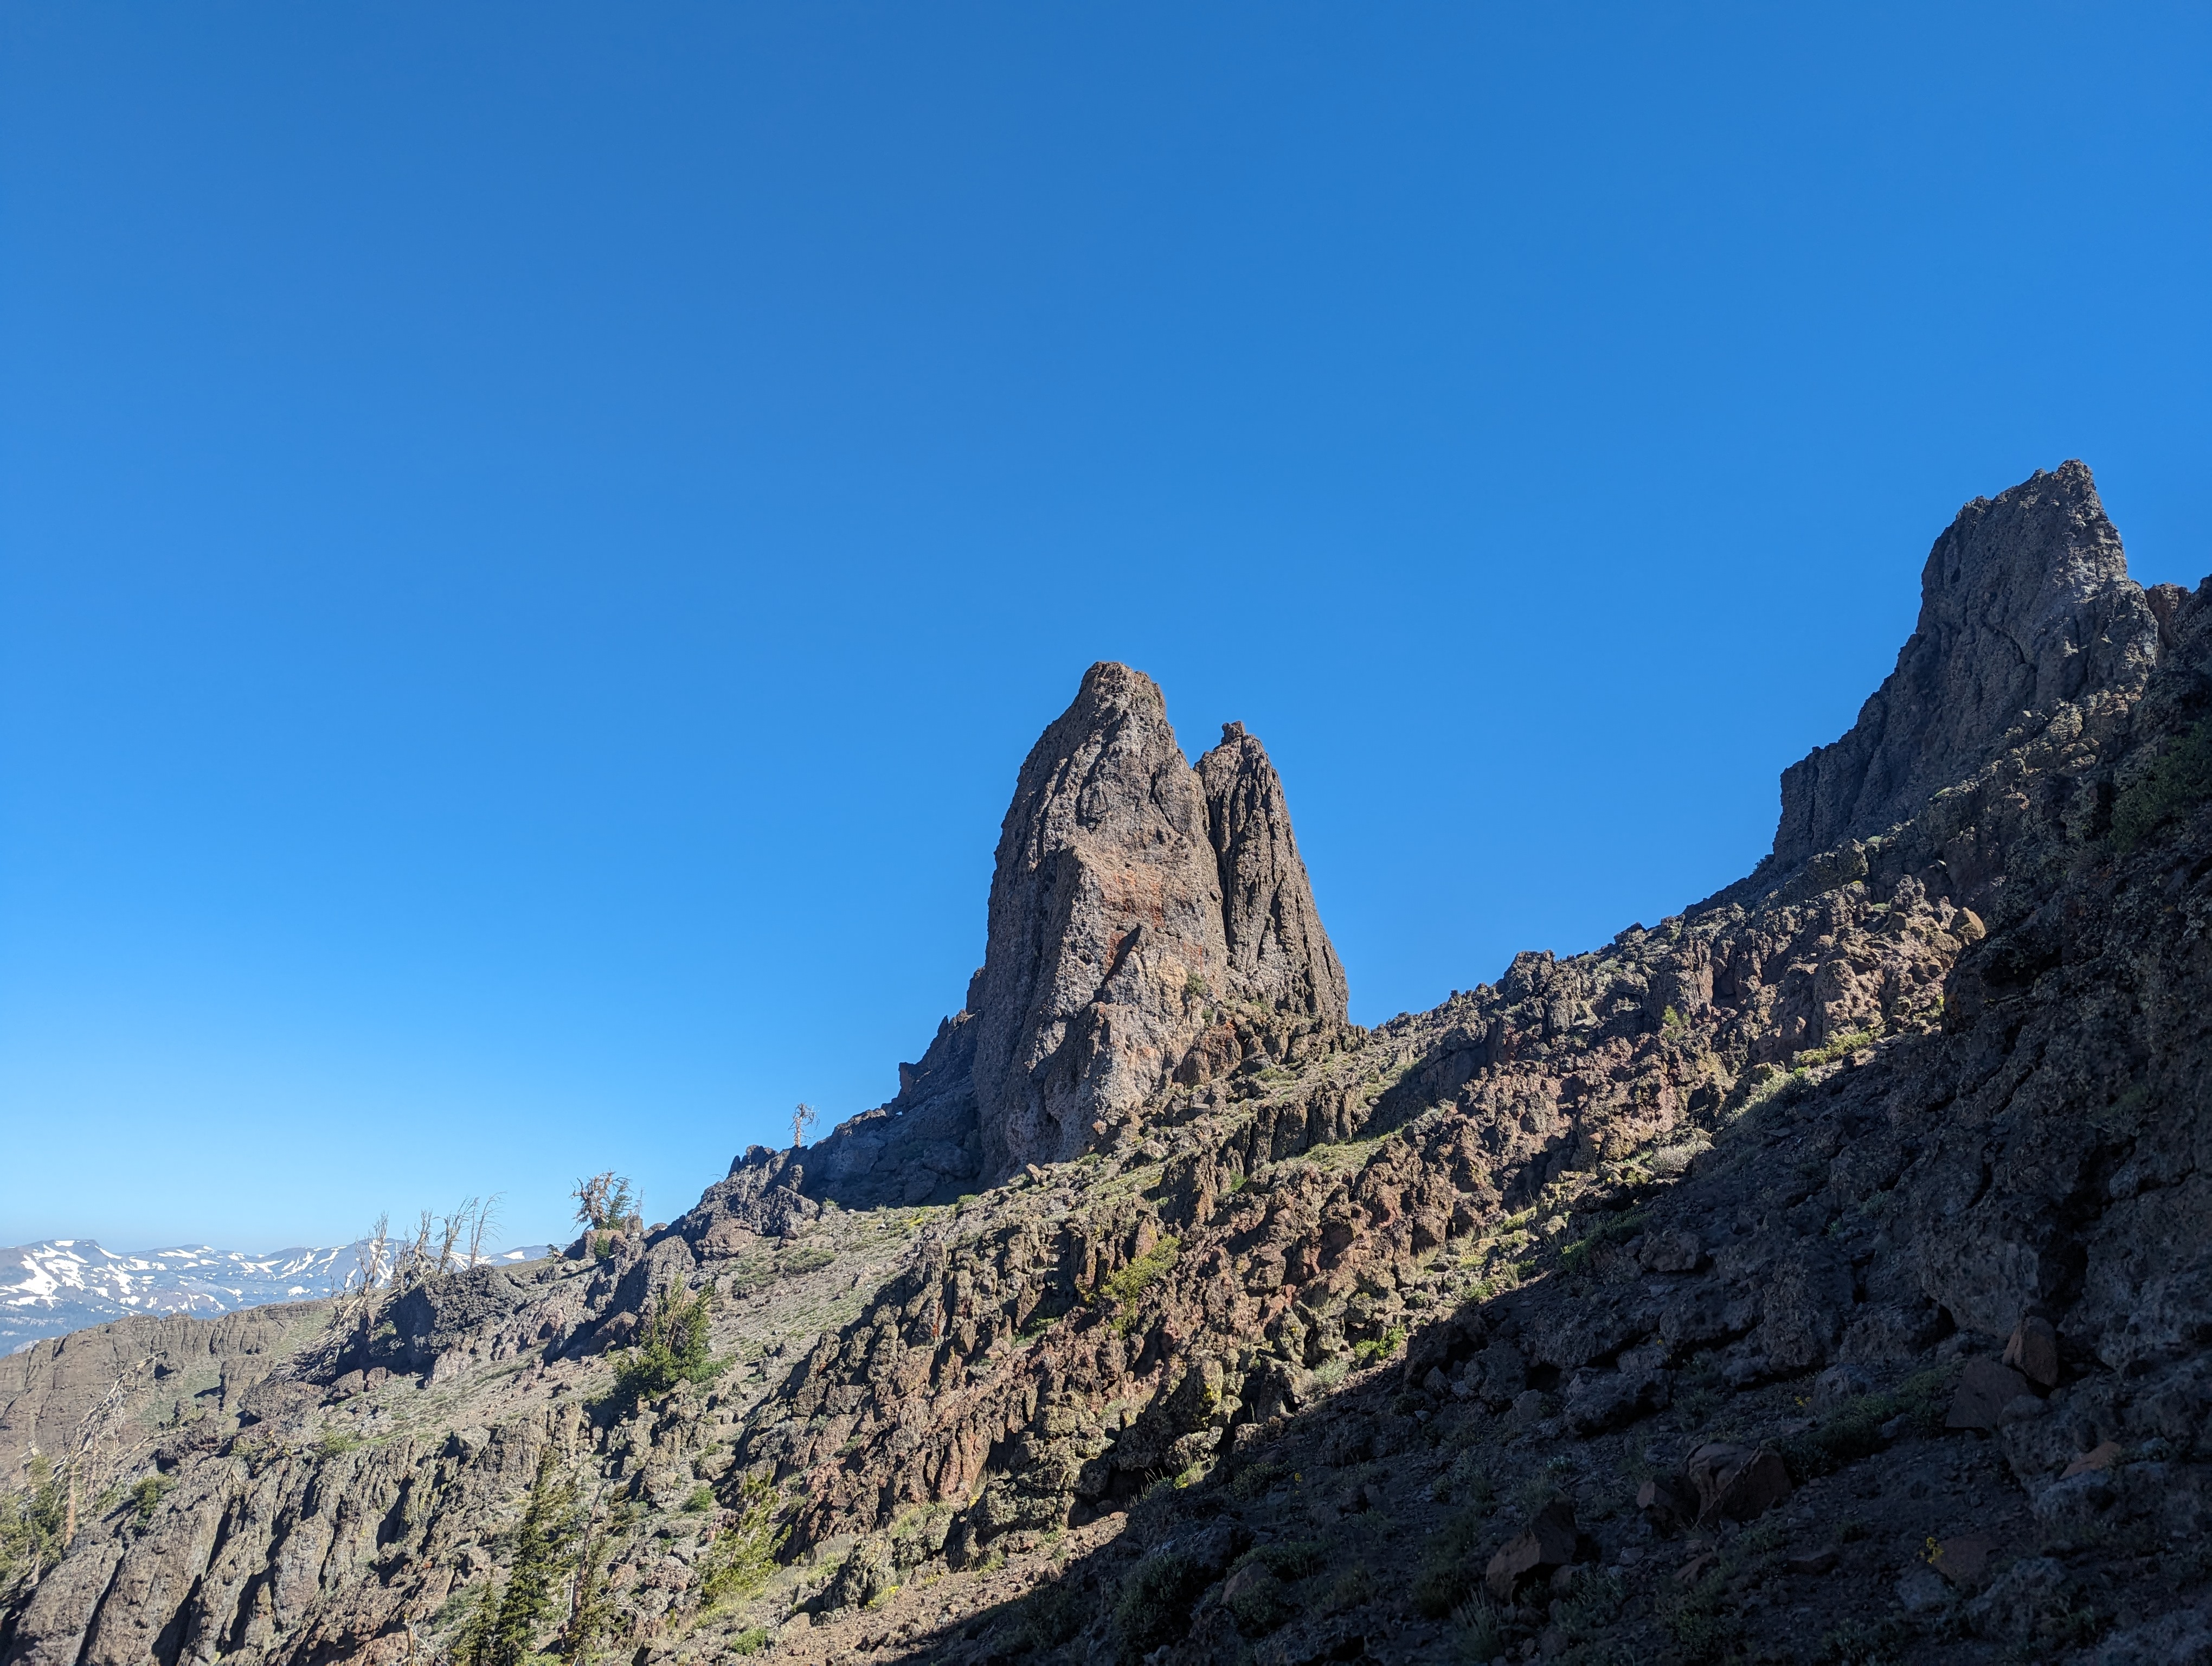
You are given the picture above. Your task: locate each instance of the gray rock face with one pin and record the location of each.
(1133, 898)
(2025, 603)
(1132, 894)
(1278, 953)
(1106, 931)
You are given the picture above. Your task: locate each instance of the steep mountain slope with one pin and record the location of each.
(1822, 1274)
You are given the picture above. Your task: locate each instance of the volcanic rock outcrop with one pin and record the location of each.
(1278, 955)
(1133, 895)
(1145, 917)
(2025, 604)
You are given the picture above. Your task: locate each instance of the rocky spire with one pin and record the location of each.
(2025, 602)
(1278, 953)
(1105, 926)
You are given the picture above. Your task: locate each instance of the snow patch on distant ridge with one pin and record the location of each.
(64, 1284)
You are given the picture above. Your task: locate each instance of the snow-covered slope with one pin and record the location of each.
(65, 1284)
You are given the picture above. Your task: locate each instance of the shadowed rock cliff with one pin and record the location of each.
(2025, 604)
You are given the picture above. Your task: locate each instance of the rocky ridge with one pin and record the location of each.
(1820, 1275)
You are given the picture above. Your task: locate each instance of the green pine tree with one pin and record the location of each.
(548, 1522)
(473, 1646)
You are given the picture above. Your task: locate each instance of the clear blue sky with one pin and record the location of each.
(533, 538)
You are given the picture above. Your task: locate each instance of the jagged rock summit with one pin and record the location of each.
(1150, 922)
(2025, 604)
(1133, 895)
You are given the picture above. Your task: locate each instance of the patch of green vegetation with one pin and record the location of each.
(1480, 1628)
(1288, 1559)
(743, 1556)
(700, 1501)
(672, 1348)
(1256, 1479)
(1350, 1589)
(1703, 1626)
(1841, 1047)
(1381, 1347)
(146, 1497)
(809, 1258)
(1125, 1286)
(503, 1630)
(1852, 1431)
(1575, 1259)
(334, 1442)
(1925, 1396)
(2177, 780)
(31, 1522)
(1593, 1604)
(1049, 1617)
(750, 1641)
(1155, 1602)
(1856, 1644)
(1446, 1578)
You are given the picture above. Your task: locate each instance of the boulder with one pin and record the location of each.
(1735, 1483)
(1547, 1544)
(1985, 1389)
(2033, 1351)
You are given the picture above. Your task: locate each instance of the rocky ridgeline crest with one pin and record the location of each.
(2026, 606)
(1825, 1273)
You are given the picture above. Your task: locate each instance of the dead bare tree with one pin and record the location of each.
(450, 1229)
(487, 1214)
(802, 1119)
(87, 1470)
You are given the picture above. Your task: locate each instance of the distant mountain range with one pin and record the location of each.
(63, 1285)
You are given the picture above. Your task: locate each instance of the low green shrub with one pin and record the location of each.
(1155, 1601)
(672, 1348)
(1852, 1431)
(2179, 779)
(1480, 1627)
(743, 1556)
(1287, 1559)
(1125, 1286)
(1448, 1572)
(1381, 1348)
(1049, 1617)
(146, 1497)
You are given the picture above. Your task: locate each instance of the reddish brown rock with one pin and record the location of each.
(1548, 1544)
(2103, 1455)
(2033, 1351)
(1985, 1390)
(1737, 1483)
